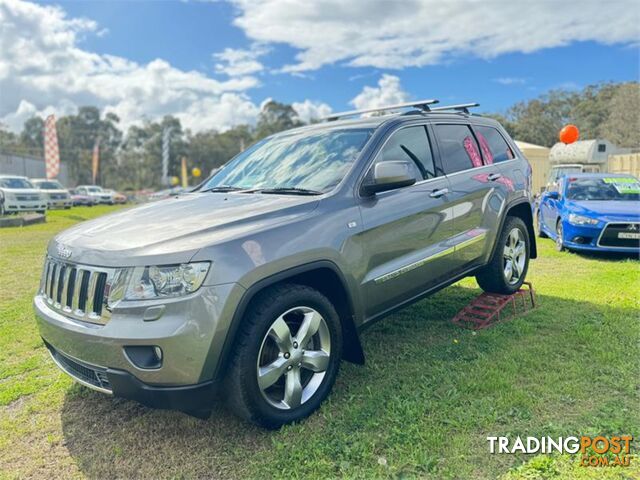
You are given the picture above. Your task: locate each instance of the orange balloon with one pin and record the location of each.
(569, 134)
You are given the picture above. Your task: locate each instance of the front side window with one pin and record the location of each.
(311, 160)
(494, 147)
(15, 183)
(458, 148)
(94, 189)
(410, 144)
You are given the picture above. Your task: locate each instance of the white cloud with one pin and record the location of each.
(310, 110)
(388, 92)
(237, 62)
(44, 70)
(392, 34)
(510, 80)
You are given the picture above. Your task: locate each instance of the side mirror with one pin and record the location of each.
(389, 176)
(553, 195)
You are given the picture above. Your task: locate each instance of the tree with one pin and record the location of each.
(622, 126)
(276, 117)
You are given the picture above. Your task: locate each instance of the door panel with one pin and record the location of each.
(406, 239)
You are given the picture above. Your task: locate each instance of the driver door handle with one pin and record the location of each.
(439, 193)
(494, 176)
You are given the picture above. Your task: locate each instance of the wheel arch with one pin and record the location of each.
(524, 211)
(324, 276)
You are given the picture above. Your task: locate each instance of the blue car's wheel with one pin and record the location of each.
(559, 236)
(541, 234)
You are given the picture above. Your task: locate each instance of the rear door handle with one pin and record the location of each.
(439, 193)
(494, 176)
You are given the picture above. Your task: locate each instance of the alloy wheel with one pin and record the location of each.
(559, 235)
(293, 358)
(514, 256)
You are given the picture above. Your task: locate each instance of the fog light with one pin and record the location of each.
(145, 357)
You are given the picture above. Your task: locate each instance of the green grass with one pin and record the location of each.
(422, 406)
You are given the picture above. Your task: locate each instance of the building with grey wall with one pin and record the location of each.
(27, 166)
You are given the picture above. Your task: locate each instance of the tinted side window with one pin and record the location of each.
(458, 148)
(412, 145)
(494, 147)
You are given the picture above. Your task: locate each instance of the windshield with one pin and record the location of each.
(15, 183)
(49, 185)
(599, 188)
(556, 173)
(305, 160)
(94, 189)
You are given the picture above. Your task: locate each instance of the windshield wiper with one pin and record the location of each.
(223, 188)
(290, 190)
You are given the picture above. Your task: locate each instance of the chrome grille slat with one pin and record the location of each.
(73, 290)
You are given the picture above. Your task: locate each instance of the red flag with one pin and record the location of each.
(51, 152)
(95, 161)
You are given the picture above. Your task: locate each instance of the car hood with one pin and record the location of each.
(55, 192)
(173, 230)
(21, 191)
(611, 209)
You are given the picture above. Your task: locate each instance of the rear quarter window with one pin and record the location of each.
(458, 148)
(494, 147)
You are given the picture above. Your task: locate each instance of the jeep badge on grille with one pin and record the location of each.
(63, 252)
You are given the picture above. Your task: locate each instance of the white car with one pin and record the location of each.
(57, 195)
(17, 194)
(96, 193)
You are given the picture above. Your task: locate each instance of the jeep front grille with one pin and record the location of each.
(77, 291)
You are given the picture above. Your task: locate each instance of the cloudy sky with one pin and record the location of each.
(212, 63)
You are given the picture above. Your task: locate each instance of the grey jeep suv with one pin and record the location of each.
(255, 286)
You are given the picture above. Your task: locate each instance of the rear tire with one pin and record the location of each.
(507, 269)
(281, 371)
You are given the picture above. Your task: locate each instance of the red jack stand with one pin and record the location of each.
(488, 309)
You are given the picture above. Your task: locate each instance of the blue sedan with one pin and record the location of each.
(594, 212)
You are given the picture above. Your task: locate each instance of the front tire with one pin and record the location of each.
(286, 356)
(559, 236)
(541, 233)
(508, 267)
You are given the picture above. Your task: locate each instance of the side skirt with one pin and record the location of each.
(430, 291)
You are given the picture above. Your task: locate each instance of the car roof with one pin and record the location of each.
(378, 121)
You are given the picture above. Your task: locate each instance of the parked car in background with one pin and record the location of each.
(97, 194)
(592, 211)
(18, 194)
(81, 198)
(257, 284)
(116, 197)
(57, 195)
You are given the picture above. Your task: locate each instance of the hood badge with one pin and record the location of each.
(633, 227)
(63, 252)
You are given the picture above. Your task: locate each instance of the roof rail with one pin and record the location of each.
(461, 107)
(421, 104)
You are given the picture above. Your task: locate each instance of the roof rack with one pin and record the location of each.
(461, 107)
(421, 104)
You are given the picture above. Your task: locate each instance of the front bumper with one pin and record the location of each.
(190, 331)
(189, 398)
(24, 206)
(60, 203)
(589, 238)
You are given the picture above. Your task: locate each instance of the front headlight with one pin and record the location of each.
(162, 281)
(581, 220)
